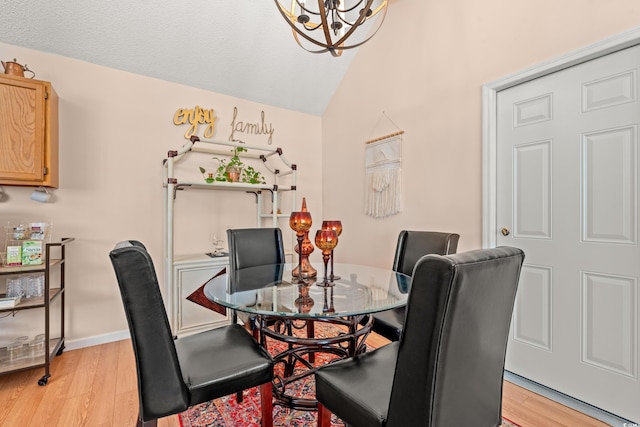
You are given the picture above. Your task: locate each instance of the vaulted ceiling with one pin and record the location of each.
(241, 48)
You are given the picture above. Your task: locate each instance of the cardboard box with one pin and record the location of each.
(32, 252)
(14, 255)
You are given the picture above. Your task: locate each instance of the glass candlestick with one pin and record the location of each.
(306, 271)
(326, 240)
(300, 222)
(336, 226)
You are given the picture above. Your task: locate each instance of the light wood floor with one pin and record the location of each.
(97, 386)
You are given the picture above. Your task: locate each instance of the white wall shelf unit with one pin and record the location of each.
(184, 273)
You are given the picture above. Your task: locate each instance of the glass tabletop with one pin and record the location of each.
(271, 290)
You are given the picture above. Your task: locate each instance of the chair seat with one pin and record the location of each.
(343, 388)
(221, 361)
(389, 323)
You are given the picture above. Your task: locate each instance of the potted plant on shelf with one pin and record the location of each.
(233, 170)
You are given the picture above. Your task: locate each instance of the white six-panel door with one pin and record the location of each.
(567, 194)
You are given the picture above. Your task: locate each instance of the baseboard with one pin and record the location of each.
(578, 405)
(96, 340)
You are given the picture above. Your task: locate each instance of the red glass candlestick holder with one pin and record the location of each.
(336, 226)
(306, 271)
(300, 222)
(326, 240)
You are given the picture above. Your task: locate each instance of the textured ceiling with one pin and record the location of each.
(241, 48)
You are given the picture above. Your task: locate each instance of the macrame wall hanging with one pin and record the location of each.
(383, 164)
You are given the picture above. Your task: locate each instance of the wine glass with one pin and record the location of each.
(300, 222)
(336, 226)
(218, 244)
(326, 240)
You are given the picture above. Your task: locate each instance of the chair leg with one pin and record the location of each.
(266, 404)
(324, 416)
(239, 397)
(151, 423)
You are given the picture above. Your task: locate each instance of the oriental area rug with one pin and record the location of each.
(227, 412)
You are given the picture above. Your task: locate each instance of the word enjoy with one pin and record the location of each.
(195, 117)
(251, 128)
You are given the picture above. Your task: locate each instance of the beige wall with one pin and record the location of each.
(425, 69)
(115, 131)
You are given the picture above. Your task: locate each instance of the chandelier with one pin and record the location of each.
(320, 26)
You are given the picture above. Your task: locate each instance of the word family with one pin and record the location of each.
(195, 117)
(260, 128)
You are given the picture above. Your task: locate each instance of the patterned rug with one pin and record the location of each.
(227, 412)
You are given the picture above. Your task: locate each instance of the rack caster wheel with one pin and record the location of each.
(59, 352)
(43, 381)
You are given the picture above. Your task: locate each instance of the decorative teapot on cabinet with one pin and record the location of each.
(15, 69)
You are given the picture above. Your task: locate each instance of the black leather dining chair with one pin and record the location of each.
(411, 246)
(447, 369)
(253, 247)
(175, 374)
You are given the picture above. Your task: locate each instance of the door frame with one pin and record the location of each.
(489, 116)
(604, 47)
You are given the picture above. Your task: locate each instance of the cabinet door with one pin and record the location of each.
(189, 316)
(28, 134)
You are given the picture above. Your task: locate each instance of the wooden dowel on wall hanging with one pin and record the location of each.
(384, 137)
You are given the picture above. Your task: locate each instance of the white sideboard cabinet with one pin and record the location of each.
(190, 272)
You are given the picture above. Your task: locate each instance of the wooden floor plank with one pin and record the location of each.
(74, 412)
(62, 374)
(126, 374)
(22, 398)
(562, 414)
(126, 413)
(101, 396)
(97, 386)
(86, 370)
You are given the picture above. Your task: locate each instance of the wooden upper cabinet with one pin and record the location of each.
(28, 132)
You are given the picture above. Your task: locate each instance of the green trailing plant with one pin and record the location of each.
(233, 167)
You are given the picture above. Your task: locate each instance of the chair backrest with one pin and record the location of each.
(161, 388)
(251, 247)
(451, 355)
(413, 245)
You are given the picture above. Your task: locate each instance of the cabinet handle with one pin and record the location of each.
(505, 231)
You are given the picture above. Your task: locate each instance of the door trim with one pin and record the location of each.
(489, 117)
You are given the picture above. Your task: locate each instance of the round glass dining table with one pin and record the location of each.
(281, 308)
(271, 290)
